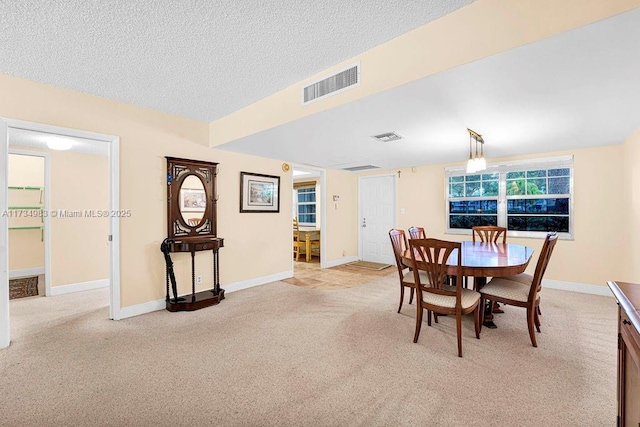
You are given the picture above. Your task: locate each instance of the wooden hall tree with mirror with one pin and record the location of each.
(192, 228)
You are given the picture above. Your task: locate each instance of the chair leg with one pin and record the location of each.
(459, 332)
(418, 323)
(536, 319)
(538, 309)
(429, 317)
(411, 295)
(530, 323)
(481, 312)
(435, 317)
(401, 297)
(477, 321)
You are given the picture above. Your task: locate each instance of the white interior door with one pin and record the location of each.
(377, 217)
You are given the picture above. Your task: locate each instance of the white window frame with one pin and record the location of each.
(297, 213)
(503, 169)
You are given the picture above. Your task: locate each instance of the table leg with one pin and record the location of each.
(308, 247)
(479, 282)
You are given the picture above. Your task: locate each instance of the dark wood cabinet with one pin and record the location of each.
(192, 227)
(628, 297)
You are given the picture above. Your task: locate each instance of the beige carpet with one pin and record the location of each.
(284, 355)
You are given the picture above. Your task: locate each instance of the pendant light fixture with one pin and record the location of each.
(476, 162)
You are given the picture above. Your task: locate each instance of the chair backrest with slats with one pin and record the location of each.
(417, 233)
(489, 233)
(432, 256)
(543, 262)
(296, 230)
(399, 245)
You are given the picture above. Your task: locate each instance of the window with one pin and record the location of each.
(529, 198)
(306, 206)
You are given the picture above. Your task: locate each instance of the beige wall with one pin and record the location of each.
(483, 28)
(27, 246)
(79, 244)
(631, 196)
(598, 215)
(146, 136)
(342, 216)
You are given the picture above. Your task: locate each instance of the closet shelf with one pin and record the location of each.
(29, 227)
(25, 188)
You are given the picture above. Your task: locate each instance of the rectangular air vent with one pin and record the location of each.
(339, 82)
(361, 168)
(387, 137)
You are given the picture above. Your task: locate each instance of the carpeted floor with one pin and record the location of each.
(278, 355)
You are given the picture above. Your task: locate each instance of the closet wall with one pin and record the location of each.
(25, 176)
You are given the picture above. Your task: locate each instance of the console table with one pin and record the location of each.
(206, 298)
(628, 298)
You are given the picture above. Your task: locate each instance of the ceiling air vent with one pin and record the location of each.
(361, 168)
(339, 82)
(387, 137)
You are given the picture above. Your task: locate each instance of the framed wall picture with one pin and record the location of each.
(259, 193)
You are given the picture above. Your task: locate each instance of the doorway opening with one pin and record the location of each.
(309, 189)
(70, 212)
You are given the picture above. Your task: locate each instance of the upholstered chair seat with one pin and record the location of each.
(507, 288)
(408, 277)
(469, 298)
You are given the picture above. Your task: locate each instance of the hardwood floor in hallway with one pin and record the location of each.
(310, 275)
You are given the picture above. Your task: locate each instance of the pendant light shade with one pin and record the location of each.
(476, 162)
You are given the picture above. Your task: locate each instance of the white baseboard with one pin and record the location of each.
(577, 287)
(148, 307)
(245, 284)
(144, 308)
(27, 272)
(341, 261)
(78, 287)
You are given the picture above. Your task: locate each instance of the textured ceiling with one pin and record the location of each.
(199, 59)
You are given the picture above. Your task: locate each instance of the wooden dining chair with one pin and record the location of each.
(523, 290)
(489, 233)
(431, 256)
(416, 233)
(399, 245)
(297, 243)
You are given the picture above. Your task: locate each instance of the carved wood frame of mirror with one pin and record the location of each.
(191, 199)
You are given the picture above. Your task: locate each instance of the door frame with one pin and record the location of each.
(46, 218)
(323, 211)
(395, 204)
(113, 144)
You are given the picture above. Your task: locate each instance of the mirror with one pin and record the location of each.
(191, 198)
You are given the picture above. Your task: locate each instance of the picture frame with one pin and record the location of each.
(259, 193)
(193, 200)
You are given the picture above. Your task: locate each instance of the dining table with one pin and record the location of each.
(482, 260)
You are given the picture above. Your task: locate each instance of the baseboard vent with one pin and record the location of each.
(339, 82)
(361, 168)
